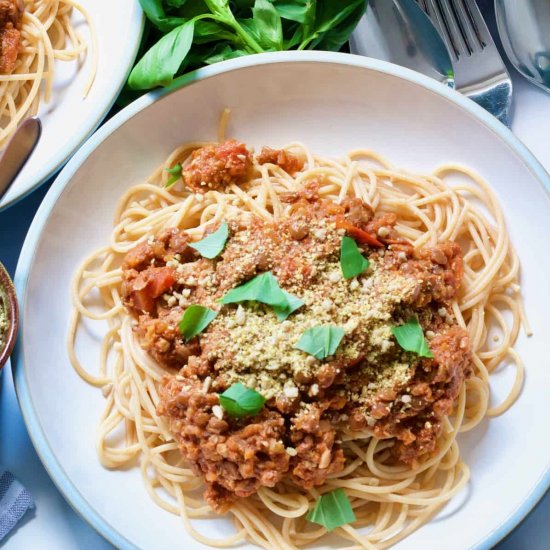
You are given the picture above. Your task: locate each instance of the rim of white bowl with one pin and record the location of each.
(97, 115)
(38, 437)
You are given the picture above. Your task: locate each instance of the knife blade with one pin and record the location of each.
(399, 31)
(18, 151)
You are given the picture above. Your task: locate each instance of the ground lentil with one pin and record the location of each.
(370, 383)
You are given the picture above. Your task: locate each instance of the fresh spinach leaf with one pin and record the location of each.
(222, 10)
(159, 65)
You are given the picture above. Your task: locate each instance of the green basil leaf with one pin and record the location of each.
(295, 39)
(198, 54)
(411, 338)
(207, 31)
(239, 401)
(265, 289)
(155, 13)
(244, 4)
(309, 21)
(195, 320)
(294, 303)
(223, 52)
(334, 38)
(295, 10)
(212, 246)
(195, 9)
(176, 3)
(268, 24)
(220, 7)
(175, 174)
(329, 16)
(159, 65)
(222, 10)
(321, 341)
(332, 510)
(251, 28)
(352, 262)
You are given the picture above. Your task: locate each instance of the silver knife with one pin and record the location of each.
(400, 32)
(17, 152)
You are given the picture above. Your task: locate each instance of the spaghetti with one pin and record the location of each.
(390, 500)
(47, 37)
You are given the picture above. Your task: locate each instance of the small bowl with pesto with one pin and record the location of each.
(9, 315)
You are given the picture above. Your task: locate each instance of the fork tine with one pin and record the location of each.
(455, 30)
(423, 4)
(479, 23)
(479, 70)
(432, 8)
(468, 25)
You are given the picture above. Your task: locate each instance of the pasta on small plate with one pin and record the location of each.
(64, 61)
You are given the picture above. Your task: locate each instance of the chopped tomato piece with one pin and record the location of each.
(150, 284)
(160, 280)
(358, 234)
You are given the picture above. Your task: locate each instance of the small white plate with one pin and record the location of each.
(69, 118)
(333, 103)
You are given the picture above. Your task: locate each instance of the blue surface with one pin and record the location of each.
(16, 221)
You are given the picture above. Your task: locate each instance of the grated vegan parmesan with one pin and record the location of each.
(248, 344)
(3, 321)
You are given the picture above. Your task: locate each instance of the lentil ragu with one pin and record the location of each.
(216, 166)
(370, 384)
(10, 34)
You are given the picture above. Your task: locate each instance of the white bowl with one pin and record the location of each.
(332, 102)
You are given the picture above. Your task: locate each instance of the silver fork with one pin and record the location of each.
(480, 72)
